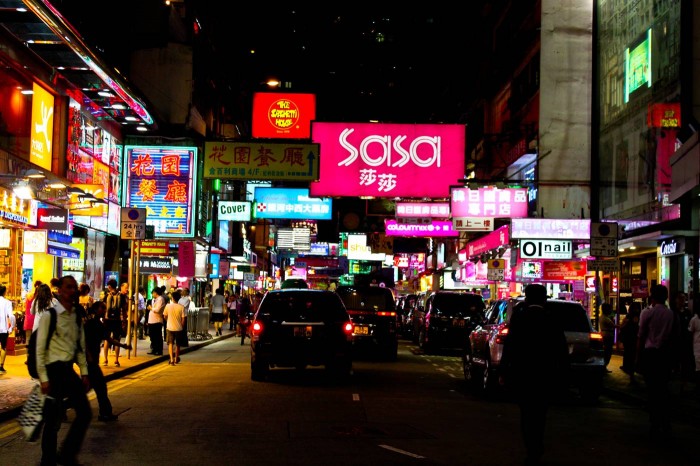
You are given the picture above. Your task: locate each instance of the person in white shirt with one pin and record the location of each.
(54, 363)
(175, 316)
(155, 321)
(216, 307)
(7, 324)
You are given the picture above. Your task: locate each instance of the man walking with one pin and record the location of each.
(7, 323)
(535, 365)
(58, 378)
(654, 350)
(113, 321)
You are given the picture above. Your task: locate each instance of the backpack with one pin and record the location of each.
(31, 345)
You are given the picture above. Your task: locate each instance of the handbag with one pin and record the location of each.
(31, 418)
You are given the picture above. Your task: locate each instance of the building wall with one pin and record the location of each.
(565, 109)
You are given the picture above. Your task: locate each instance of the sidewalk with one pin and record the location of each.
(16, 385)
(617, 385)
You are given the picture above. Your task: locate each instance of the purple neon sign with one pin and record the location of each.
(488, 242)
(435, 228)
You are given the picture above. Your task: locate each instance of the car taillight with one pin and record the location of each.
(386, 314)
(596, 340)
(348, 328)
(501, 335)
(257, 327)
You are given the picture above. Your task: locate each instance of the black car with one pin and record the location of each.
(482, 356)
(299, 328)
(449, 318)
(374, 317)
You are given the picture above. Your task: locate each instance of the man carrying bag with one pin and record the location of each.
(58, 379)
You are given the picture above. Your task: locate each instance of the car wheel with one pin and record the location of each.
(468, 367)
(258, 370)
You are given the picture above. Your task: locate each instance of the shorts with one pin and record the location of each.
(114, 328)
(217, 316)
(174, 337)
(3, 340)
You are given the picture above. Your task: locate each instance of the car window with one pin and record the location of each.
(572, 316)
(498, 313)
(380, 299)
(310, 306)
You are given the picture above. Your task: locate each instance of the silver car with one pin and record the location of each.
(482, 355)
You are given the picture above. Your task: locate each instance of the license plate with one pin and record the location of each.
(303, 331)
(361, 330)
(458, 323)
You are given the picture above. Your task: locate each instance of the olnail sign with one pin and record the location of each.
(545, 249)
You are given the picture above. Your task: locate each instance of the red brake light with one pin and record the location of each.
(502, 333)
(348, 327)
(257, 327)
(386, 313)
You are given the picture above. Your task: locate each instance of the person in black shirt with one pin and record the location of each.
(95, 332)
(534, 366)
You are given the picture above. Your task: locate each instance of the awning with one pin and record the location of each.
(63, 250)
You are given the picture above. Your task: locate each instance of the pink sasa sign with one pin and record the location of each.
(388, 160)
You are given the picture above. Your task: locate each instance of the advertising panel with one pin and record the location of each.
(388, 160)
(41, 127)
(234, 211)
(488, 202)
(282, 115)
(422, 209)
(547, 228)
(290, 203)
(161, 180)
(487, 242)
(564, 270)
(436, 228)
(245, 161)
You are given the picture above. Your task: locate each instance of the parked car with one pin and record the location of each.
(483, 352)
(299, 328)
(449, 318)
(374, 317)
(404, 307)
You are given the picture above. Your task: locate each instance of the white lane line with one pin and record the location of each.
(355, 397)
(403, 452)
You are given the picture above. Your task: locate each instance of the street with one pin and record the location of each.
(416, 410)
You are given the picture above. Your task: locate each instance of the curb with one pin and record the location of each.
(13, 412)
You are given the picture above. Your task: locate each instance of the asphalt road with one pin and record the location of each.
(417, 410)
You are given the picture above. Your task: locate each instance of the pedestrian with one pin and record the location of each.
(7, 324)
(174, 313)
(684, 366)
(113, 321)
(85, 299)
(59, 379)
(694, 329)
(628, 336)
(216, 309)
(607, 330)
(95, 332)
(140, 302)
(232, 312)
(186, 303)
(155, 321)
(655, 356)
(243, 316)
(28, 314)
(534, 366)
(43, 299)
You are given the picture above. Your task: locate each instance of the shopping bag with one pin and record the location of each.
(31, 418)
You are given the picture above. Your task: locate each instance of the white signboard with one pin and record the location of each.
(545, 249)
(234, 211)
(133, 224)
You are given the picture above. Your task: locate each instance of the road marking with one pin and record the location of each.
(10, 428)
(403, 452)
(355, 397)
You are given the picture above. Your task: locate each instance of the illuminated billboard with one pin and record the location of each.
(161, 180)
(290, 203)
(435, 228)
(245, 161)
(488, 202)
(388, 160)
(638, 65)
(282, 115)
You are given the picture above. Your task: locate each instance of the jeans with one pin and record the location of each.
(99, 384)
(155, 331)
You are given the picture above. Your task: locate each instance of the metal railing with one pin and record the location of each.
(198, 324)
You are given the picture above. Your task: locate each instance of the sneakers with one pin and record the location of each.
(107, 417)
(2, 370)
(105, 364)
(116, 364)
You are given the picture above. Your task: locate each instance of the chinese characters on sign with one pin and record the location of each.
(473, 223)
(290, 203)
(488, 202)
(423, 209)
(160, 179)
(261, 161)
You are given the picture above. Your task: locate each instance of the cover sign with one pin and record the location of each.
(388, 160)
